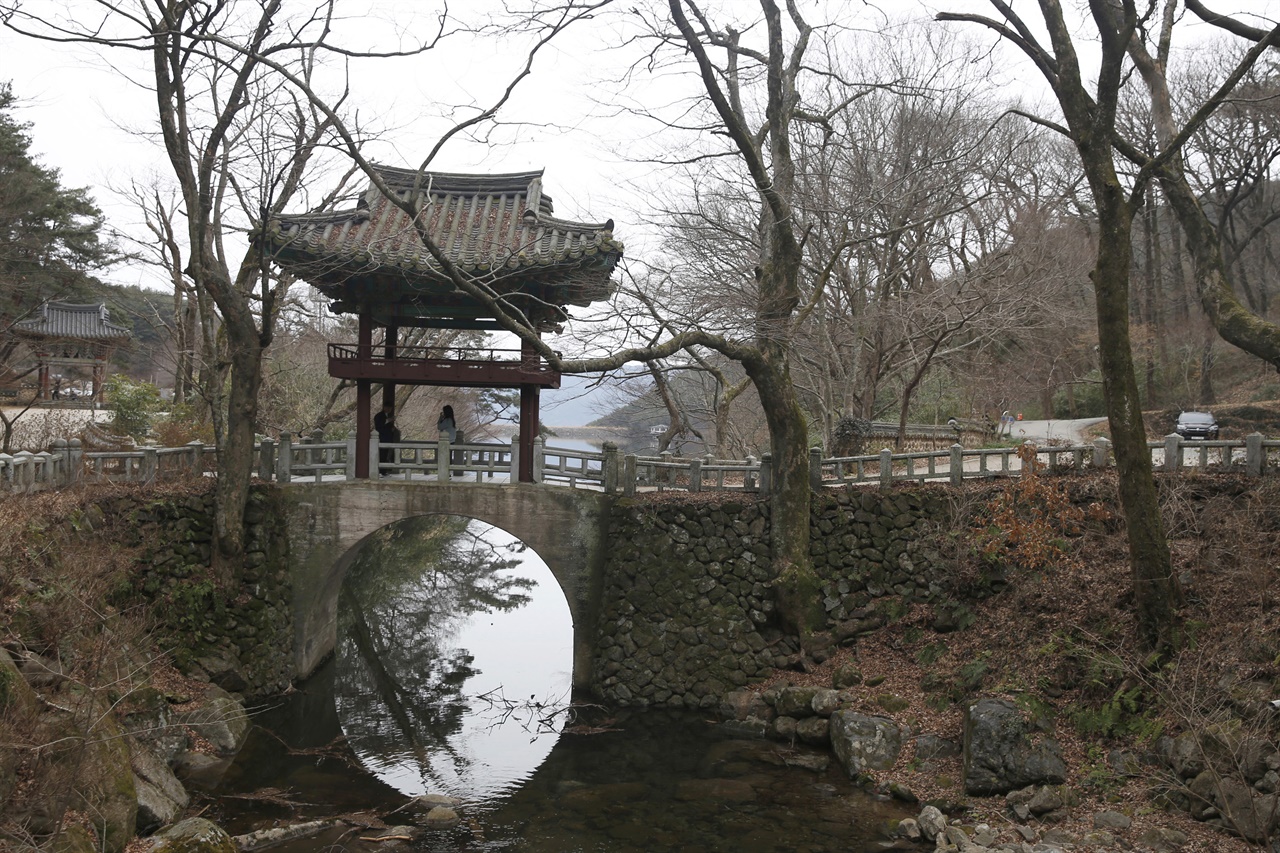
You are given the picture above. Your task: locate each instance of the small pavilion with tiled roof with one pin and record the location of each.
(61, 334)
(496, 229)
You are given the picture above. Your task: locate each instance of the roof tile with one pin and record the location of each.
(496, 225)
(66, 320)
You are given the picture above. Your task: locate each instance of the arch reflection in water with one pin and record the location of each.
(454, 655)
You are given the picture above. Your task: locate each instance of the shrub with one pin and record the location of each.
(1027, 525)
(182, 426)
(132, 404)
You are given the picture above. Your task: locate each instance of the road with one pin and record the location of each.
(1072, 431)
(41, 425)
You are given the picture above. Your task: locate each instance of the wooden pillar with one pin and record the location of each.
(528, 416)
(528, 430)
(43, 372)
(389, 352)
(99, 374)
(364, 417)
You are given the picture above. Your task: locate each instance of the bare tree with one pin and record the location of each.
(1090, 123)
(245, 116)
(761, 142)
(1150, 51)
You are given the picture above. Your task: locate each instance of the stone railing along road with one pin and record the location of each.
(318, 461)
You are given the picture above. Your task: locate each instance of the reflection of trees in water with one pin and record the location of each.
(408, 593)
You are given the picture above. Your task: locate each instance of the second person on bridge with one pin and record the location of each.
(447, 424)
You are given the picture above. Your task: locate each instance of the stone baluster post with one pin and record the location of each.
(667, 475)
(695, 475)
(6, 471)
(22, 465)
(886, 468)
(59, 460)
(515, 458)
(1172, 452)
(44, 468)
(629, 475)
(539, 458)
(266, 459)
(150, 465)
(284, 458)
(442, 457)
(609, 468)
(351, 455)
(815, 468)
(1101, 452)
(1255, 454)
(195, 449)
(75, 460)
(957, 464)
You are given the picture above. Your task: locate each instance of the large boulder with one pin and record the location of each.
(148, 718)
(72, 839)
(744, 705)
(1000, 753)
(161, 797)
(863, 742)
(194, 835)
(219, 718)
(88, 761)
(797, 701)
(1256, 817)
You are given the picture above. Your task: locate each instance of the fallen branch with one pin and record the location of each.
(265, 838)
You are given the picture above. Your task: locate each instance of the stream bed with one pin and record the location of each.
(452, 678)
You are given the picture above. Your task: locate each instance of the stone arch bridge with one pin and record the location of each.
(328, 522)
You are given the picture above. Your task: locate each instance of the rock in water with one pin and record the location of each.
(442, 817)
(194, 835)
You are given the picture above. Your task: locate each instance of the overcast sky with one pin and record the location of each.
(87, 116)
(570, 118)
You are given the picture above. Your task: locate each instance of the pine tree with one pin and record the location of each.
(50, 235)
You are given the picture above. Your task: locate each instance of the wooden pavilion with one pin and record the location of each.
(498, 230)
(62, 334)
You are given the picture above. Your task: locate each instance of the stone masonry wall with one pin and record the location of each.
(870, 545)
(687, 610)
(241, 635)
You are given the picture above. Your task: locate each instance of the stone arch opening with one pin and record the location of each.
(453, 639)
(328, 523)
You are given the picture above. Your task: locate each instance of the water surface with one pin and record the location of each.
(452, 677)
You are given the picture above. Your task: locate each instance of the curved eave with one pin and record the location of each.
(339, 268)
(115, 334)
(302, 239)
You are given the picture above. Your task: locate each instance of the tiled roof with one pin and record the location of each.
(499, 227)
(64, 320)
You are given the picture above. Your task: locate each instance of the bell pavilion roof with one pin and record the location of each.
(63, 320)
(498, 229)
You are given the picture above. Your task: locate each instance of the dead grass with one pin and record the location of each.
(64, 567)
(1062, 641)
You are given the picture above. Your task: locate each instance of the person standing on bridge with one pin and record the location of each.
(388, 433)
(447, 424)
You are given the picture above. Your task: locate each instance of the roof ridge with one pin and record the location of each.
(457, 181)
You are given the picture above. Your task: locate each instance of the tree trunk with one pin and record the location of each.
(235, 451)
(1155, 587)
(797, 592)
